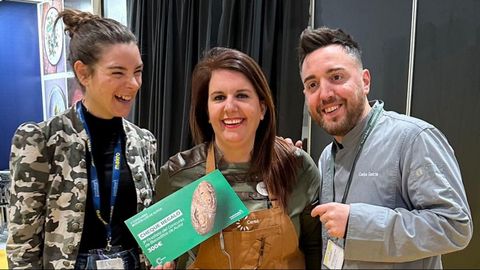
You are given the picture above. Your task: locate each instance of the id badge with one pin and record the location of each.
(333, 256)
(115, 263)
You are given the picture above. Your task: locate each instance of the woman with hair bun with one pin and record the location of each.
(77, 176)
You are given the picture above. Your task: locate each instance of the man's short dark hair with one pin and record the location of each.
(313, 39)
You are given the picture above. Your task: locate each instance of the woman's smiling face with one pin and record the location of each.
(234, 109)
(113, 83)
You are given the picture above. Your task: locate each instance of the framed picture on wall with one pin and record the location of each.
(60, 89)
(55, 97)
(52, 38)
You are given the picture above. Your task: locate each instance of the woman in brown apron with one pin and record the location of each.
(233, 122)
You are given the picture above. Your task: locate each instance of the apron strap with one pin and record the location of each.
(210, 166)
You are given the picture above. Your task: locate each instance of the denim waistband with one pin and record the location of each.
(129, 257)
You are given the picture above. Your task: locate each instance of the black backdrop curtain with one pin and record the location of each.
(173, 34)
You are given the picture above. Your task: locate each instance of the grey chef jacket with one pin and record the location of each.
(408, 203)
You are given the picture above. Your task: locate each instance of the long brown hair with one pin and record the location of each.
(272, 159)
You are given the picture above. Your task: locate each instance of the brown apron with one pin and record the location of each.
(264, 239)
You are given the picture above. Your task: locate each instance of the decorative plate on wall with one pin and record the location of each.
(57, 102)
(53, 38)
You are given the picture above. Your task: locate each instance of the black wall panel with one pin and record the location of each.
(382, 28)
(446, 93)
(446, 78)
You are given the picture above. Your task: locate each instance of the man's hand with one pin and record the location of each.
(334, 216)
(298, 143)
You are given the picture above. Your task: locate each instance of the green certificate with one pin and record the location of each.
(186, 218)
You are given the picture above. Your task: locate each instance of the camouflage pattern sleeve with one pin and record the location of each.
(29, 170)
(152, 155)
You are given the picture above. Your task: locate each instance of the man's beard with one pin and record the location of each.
(340, 127)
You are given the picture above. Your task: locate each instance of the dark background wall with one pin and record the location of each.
(174, 34)
(446, 81)
(371, 22)
(20, 85)
(446, 92)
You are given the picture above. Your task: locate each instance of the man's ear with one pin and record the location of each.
(82, 72)
(366, 81)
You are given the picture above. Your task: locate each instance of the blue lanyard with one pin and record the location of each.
(377, 108)
(94, 178)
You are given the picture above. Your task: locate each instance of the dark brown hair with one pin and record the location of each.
(272, 159)
(90, 34)
(313, 39)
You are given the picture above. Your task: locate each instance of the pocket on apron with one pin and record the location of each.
(258, 248)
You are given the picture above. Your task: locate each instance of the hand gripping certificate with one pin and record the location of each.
(186, 218)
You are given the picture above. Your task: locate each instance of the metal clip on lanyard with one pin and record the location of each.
(94, 179)
(377, 108)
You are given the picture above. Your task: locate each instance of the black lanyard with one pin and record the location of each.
(377, 108)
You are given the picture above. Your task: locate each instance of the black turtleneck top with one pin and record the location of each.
(104, 134)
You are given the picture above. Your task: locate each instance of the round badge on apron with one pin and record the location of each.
(262, 188)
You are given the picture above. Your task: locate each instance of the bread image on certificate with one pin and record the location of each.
(204, 207)
(187, 217)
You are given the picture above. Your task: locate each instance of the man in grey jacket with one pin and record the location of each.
(392, 194)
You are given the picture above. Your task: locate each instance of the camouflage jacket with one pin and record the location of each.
(49, 188)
